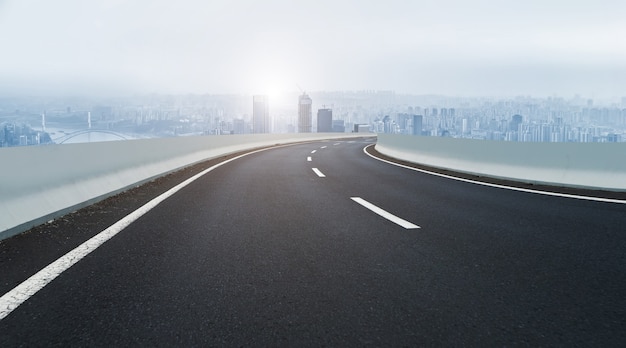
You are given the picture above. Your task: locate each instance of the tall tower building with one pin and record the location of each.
(305, 114)
(324, 120)
(417, 124)
(260, 114)
(516, 120)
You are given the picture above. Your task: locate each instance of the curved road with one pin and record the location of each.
(267, 251)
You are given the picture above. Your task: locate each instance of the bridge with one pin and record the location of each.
(337, 241)
(68, 136)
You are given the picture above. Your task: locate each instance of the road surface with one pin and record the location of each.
(319, 244)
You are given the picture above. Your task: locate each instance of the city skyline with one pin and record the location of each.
(454, 48)
(32, 121)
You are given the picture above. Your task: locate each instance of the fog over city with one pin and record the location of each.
(449, 47)
(312, 173)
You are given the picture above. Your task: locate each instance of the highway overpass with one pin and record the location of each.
(320, 243)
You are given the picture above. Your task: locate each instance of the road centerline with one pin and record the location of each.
(318, 172)
(387, 215)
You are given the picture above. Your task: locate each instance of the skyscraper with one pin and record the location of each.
(417, 124)
(324, 120)
(305, 114)
(260, 114)
(516, 120)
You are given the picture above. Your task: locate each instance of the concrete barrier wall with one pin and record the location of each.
(583, 165)
(43, 182)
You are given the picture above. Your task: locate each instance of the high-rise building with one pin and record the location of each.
(324, 120)
(401, 120)
(260, 114)
(239, 126)
(339, 126)
(417, 124)
(388, 125)
(516, 120)
(305, 114)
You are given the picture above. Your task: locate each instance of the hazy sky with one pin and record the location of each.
(451, 47)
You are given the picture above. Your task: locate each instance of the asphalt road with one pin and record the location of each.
(265, 251)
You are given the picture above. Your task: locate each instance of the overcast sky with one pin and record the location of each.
(450, 47)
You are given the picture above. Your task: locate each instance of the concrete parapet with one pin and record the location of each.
(582, 165)
(43, 182)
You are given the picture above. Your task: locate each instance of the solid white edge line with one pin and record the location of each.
(18, 295)
(387, 215)
(555, 194)
(308, 159)
(318, 172)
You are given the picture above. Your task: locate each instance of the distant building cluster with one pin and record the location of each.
(16, 134)
(522, 119)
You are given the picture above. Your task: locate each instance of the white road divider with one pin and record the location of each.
(387, 215)
(318, 172)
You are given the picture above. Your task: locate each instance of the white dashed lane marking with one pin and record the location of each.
(318, 172)
(387, 215)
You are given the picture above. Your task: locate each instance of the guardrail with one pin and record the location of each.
(599, 166)
(40, 183)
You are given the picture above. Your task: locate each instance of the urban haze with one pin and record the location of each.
(35, 121)
(516, 71)
(322, 173)
(450, 47)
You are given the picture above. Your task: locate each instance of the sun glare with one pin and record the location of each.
(276, 89)
(273, 77)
